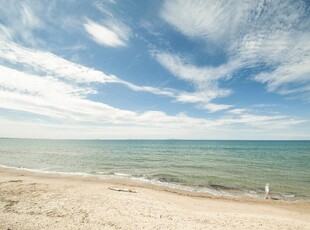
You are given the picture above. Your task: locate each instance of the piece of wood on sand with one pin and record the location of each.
(123, 190)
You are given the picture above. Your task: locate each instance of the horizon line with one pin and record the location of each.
(141, 139)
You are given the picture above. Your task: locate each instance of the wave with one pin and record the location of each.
(166, 177)
(222, 187)
(169, 181)
(46, 171)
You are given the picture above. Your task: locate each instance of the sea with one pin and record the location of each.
(222, 168)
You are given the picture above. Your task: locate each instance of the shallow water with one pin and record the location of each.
(220, 167)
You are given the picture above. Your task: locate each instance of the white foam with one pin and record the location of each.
(144, 179)
(122, 174)
(46, 172)
(289, 196)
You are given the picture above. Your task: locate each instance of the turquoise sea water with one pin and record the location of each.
(220, 167)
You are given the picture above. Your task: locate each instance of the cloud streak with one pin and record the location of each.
(21, 21)
(61, 101)
(274, 34)
(47, 63)
(50, 64)
(205, 80)
(53, 95)
(58, 100)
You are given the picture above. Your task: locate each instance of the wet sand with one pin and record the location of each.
(51, 201)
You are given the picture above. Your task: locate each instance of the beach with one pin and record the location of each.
(171, 114)
(31, 200)
(229, 168)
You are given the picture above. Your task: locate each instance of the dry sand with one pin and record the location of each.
(50, 201)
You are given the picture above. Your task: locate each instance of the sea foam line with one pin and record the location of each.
(104, 175)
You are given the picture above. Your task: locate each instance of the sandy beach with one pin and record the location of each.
(51, 201)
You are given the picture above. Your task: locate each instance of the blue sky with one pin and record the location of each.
(155, 69)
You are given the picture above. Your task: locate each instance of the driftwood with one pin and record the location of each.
(122, 190)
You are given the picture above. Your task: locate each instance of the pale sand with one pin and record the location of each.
(49, 201)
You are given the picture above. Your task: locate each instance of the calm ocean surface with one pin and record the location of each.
(219, 167)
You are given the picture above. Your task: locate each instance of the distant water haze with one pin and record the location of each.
(238, 168)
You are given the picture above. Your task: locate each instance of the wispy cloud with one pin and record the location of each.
(264, 105)
(47, 63)
(182, 68)
(35, 82)
(155, 90)
(274, 34)
(59, 100)
(208, 20)
(212, 107)
(50, 64)
(73, 130)
(292, 76)
(21, 20)
(205, 80)
(237, 111)
(114, 34)
(50, 97)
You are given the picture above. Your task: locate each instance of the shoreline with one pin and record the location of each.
(142, 182)
(55, 199)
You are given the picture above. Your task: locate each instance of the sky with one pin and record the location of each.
(145, 69)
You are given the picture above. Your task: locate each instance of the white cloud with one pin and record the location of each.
(47, 63)
(112, 34)
(36, 129)
(154, 90)
(252, 34)
(292, 74)
(205, 80)
(5, 32)
(215, 107)
(39, 88)
(39, 62)
(41, 84)
(183, 69)
(50, 64)
(264, 105)
(27, 84)
(237, 111)
(49, 97)
(209, 20)
(200, 96)
(21, 17)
